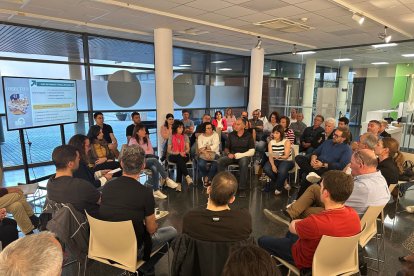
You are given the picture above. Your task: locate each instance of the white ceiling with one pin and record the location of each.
(227, 23)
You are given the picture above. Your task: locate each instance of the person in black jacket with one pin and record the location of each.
(98, 178)
(309, 140)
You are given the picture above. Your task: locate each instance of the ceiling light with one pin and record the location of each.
(342, 59)
(408, 55)
(225, 69)
(185, 65)
(306, 53)
(379, 63)
(384, 45)
(294, 50)
(384, 36)
(259, 43)
(358, 18)
(218, 61)
(273, 69)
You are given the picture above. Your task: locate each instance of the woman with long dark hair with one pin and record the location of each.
(166, 131)
(100, 156)
(141, 139)
(97, 178)
(179, 151)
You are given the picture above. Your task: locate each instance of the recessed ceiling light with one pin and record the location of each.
(306, 53)
(342, 59)
(379, 63)
(225, 69)
(218, 61)
(384, 45)
(185, 65)
(408, 55)
(273, 69)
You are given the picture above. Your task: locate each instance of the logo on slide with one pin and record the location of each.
(20, 122)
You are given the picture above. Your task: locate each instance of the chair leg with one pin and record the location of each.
(86, 264)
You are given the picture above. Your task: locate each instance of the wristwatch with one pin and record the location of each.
(325, 165)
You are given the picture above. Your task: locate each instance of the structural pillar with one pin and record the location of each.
(164, 90)
(308, 90)
(256, 80)
(341, 103)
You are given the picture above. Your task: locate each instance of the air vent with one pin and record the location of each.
(193, 31)
(284, 25)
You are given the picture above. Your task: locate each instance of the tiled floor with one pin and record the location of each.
(178, 203)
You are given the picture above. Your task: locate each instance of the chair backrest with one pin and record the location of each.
(392, 187)
(336, 255)
(115, 241)
(370, 220)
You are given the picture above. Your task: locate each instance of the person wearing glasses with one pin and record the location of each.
(309, 139)
(333, 154)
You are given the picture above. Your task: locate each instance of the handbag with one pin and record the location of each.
(208, 155)
(408, 171)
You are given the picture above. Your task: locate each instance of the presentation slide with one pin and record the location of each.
(39, 102)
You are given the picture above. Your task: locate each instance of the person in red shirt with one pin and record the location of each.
(337, 220)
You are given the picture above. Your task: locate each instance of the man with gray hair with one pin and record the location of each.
(125, 198)
(37, 254)
(366, 141)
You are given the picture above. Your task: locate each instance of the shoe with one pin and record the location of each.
(159, 194)
(290, 204)
(277, 192)
(313, 177)
(410, 209)
(281, 216)
(35, 221)
(287, 186)
(170, 183)
(189, 180)
(242, 194)
(160, 214)
(178, 189)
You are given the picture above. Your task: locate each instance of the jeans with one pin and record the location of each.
(157, 169)
(202, 165)
(243, 163)
(181, 165)
(280, 247)
(278, 179)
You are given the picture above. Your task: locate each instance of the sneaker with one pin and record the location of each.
(409, 209)
(171, 183)
(189, 180)
(160, 214)
(287, 186)
(313, 177)
(159, 194)
(277, 192)
(278, 216)
(290, 204)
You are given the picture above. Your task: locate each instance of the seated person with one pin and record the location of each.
(370, 189)
(249, 259)
(269, 125)
(230, 118)
(344, 122)
(199, 129)
(279, 161)
(366, 141)
(38, 254)
(309, 140)
(165, 131)
(136, 119)
(8, 229)
(373, 128)
(337, 220)
(179, 151)
(382, 132)
(289, 134)
(141, 139)
(188, 123)
(220, 124)
(330, 124)
(239, 149)
(13, 200)
(108, 133)
(257, 125)
(124, 198)
(217, 222)
(208, 144)
(333, 154)
(83, 146)
(64, 188)
(101, 157)
(298, 127)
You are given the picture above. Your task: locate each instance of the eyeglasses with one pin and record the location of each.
(336, 135)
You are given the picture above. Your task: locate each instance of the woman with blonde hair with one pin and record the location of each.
(230, 118)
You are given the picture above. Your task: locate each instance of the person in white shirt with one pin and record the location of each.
(208, 144)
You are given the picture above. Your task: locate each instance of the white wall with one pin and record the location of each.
(378, 89)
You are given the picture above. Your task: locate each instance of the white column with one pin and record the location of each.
(256, 80)
(308, 87)
(163, 76)
(342, 91)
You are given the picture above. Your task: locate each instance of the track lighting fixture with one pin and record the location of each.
(259, 43)
(384, 36)
(358, 18)
(294, 50)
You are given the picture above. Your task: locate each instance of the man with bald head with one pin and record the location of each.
(370, 189)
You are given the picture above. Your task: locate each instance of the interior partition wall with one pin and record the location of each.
(113, 76)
